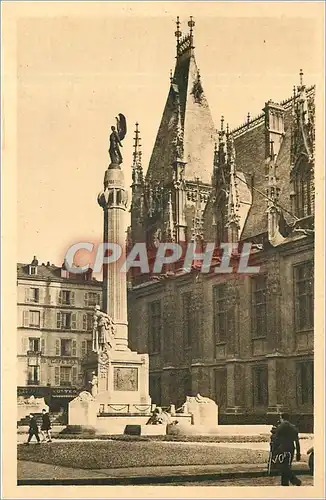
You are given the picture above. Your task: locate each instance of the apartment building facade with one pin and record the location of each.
(54, 331)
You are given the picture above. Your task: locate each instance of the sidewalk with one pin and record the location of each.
(32, 473)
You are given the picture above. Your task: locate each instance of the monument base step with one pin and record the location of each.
(116, 424)
(87, 430)
(188, 429)
(145, 430)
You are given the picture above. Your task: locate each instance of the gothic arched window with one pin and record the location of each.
(303, 190)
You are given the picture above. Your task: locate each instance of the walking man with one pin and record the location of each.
(33, 429)
(284, 441)
(46, 426)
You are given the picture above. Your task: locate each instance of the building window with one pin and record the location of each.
(220, 306)
(305, 383)
(260, 385)
(92, 299)
(65, 375)
(88, 321)
(187, 319)
(86, 347)
(304, 291)
(32, 270)
(32, 295)
(34, 344)
(66, 347)
(259, 309)
(32, 318)
(155, 327)
(66, 321)
(33, 375)
(66, 297)
(303, 190)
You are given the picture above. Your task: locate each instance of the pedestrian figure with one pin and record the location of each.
(270, 464)
(33, 429)
(46, 426)
(285, 439)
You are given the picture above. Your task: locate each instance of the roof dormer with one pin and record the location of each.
(64, 271)
(32, 268)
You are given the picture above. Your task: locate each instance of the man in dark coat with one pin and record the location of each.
(46, 426)
(284, 440)
(33, 429)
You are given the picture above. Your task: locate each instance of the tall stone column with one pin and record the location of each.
(113, 199)
(121, 376)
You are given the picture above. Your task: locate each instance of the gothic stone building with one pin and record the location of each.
(54, 329)
(244, 340)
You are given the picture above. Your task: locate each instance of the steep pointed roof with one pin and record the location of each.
(186, 132)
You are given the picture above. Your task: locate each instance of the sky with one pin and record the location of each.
(76, 73)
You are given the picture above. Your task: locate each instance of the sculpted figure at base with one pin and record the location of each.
(194, 399)
(103, 331)
(84, 396)
(203, 399)
(94, 384)
(159, 417)
(117, 135)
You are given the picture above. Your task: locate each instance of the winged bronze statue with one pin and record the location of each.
(117, 135)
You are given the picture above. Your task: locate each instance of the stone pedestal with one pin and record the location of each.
(204, 411)
(83, 410)
(25, 406)
(123, 383)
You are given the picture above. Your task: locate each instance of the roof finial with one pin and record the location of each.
(191, 24)
(171, 76)
(248, 118)
(301, 77)
(222, 123)
(137, 145)
(178, 33)
(227, 129)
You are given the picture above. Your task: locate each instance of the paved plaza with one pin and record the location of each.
(226, 463)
